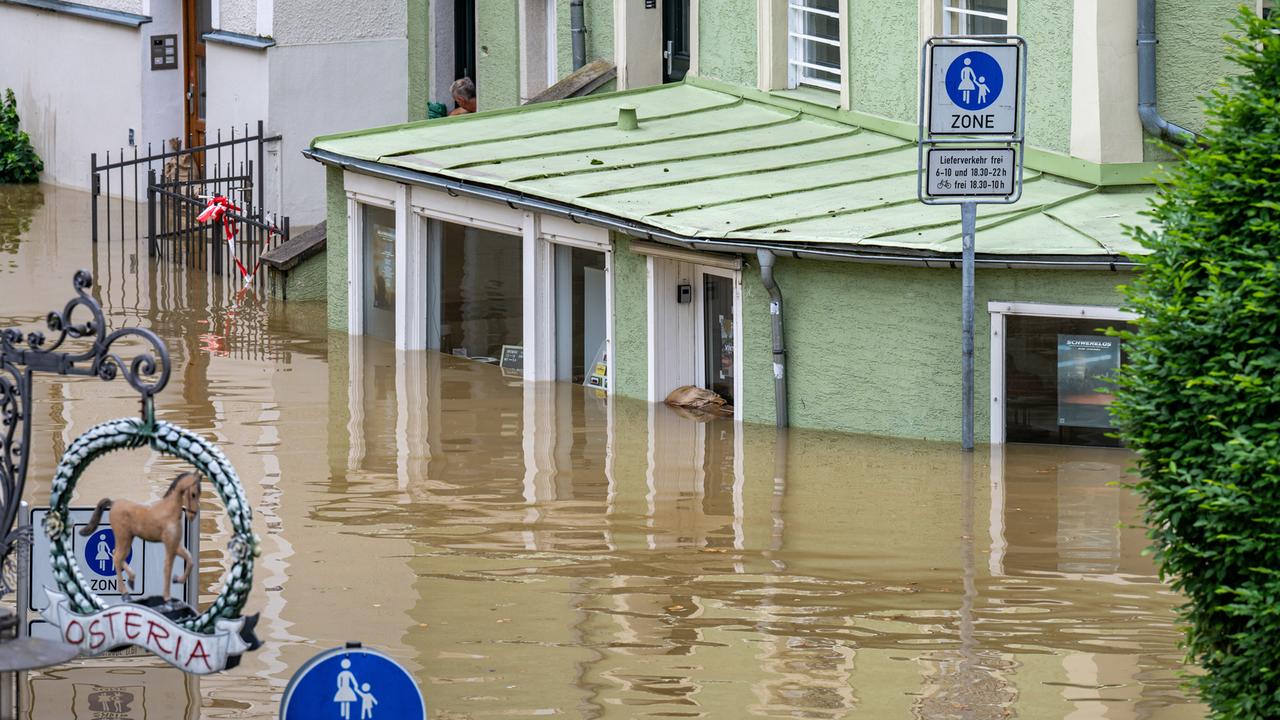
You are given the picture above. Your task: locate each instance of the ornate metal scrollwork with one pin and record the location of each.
(21, 355)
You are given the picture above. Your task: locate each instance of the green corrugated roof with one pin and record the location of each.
(709, 164)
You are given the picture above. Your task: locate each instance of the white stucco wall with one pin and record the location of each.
(238, 87)
(76, 96)
(322, 21)
(238, 16)
(129, 6)
(163, 91)
(329, 88)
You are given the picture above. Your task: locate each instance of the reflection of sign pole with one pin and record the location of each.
(970, 146)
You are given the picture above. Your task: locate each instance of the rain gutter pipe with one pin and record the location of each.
(516, 200)
(767, 258)
(1152, 121)
(578, 31)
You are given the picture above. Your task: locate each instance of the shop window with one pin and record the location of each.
(580, 315)
(815, 55)
(975, 17)
(718, 330)
(378, 230)
(1057, 379)
(477, 303)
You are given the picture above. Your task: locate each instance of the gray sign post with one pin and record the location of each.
(970, 146)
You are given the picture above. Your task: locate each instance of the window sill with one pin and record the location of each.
(810, 95)
(114, 17)
(225, 37)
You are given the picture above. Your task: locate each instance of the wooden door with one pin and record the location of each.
(196, 21)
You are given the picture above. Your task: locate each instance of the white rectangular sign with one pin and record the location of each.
(94, 556)
(973, 90)
(970, 172)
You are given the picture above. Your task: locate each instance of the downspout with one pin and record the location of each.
(767, 259)
(1152, 121)
(578, 30)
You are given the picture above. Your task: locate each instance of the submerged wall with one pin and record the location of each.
(870, 348)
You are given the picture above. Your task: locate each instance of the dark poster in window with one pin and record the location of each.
(1086, 364)
(384, 268)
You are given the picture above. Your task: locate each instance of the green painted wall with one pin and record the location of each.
(497, 54)
(1190, 60)
(597, 16)
(630, 320)
(336, 247)
(876, 348)
(418, 30)
(309, 280)
(727, 41)
(884, 58)
(1048, 27)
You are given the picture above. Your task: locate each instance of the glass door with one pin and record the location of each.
(378, 227)
(718, 329)
(675, 40)
(580, 316)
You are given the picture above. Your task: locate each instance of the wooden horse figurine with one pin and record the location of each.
(160, 521)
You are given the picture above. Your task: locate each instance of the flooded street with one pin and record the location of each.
(540, 550)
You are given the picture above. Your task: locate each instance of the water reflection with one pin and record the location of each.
(545, 550)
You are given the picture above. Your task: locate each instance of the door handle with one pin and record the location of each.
(669, 54)
(191, 98)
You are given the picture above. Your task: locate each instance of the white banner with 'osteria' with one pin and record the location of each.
(118, 625)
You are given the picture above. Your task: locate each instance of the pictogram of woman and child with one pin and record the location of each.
(350, 690)
(969, 81)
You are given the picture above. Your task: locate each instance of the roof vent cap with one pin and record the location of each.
(627, 119)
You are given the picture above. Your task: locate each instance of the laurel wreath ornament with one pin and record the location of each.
(175, 441)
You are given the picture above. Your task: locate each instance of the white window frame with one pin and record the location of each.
(999, 311)
(796, 40)
(364, 190)
(959, 12)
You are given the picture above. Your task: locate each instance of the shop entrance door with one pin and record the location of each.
(378, 227)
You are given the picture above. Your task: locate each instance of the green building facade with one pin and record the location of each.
(617, 240)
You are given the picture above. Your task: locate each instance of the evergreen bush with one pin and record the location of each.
(18, 160)
(1200, 397)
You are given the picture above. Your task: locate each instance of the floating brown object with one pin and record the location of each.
(700, 402)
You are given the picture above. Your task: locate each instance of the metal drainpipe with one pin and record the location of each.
(578, 29)
(767, 259)
(1152, 121)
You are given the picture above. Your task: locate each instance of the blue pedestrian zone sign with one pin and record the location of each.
(100, 550)
(974, 80)
(973, 90)
(352, 684)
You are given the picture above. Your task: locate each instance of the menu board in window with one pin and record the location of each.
(1086, 365)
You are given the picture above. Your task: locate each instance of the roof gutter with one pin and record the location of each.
(522, 201)
(1152, 121)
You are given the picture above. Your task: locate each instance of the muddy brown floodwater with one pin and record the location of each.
(538, 550)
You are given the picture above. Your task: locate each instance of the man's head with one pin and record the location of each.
(464, 93)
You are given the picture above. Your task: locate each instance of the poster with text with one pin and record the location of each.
(1086, 364)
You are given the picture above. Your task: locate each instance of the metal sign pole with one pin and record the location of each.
(968, 229)
(970, 146)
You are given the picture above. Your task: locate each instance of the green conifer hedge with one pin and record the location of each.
(1200, 397)
(18, 160)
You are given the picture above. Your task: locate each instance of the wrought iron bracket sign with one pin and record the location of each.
(196, 642)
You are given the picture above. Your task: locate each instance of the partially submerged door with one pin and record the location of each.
(197, 20)
(675, 40)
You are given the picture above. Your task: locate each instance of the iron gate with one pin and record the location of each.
(175, 186)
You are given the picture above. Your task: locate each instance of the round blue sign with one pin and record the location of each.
(974, 80)
(352, 684)
(99, 553)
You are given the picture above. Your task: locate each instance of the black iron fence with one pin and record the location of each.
(159, 196)
(174, 232)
